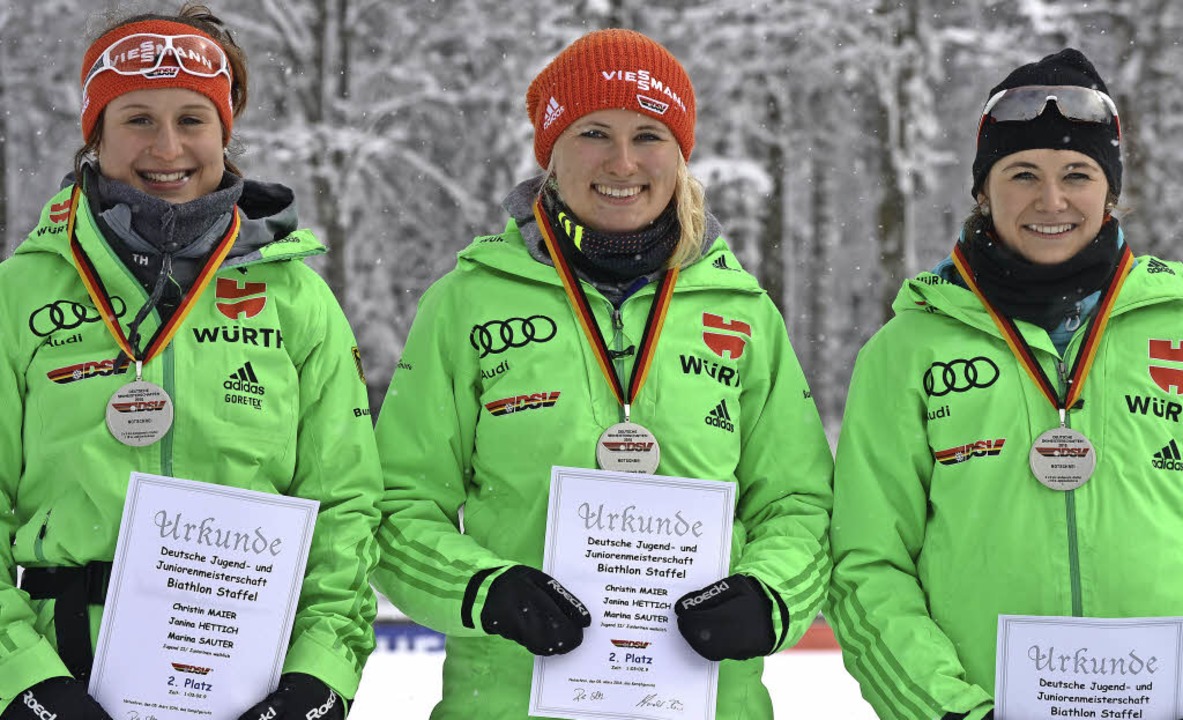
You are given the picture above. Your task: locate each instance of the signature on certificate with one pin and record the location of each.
(135, 715)
(656, 701)
(583, 695)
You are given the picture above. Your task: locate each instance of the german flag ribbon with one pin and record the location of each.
(1022, 351)
(102, 301)
(575, 293)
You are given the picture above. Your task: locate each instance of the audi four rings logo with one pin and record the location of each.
(959, 376)
(67, 315)
(497, 336)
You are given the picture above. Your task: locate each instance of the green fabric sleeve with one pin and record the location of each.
(337, 465)
(907, 667)
(784, 493)
(26, 657)
(426, 436)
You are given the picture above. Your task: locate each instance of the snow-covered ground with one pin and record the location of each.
(402, 679)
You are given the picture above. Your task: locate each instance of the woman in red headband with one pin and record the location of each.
(160, 272)
(608, 326)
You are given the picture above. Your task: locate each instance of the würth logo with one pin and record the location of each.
(1168, 458)
(518, 403)
(59, 212)
(720, 418)
(243, 296)
(553, 111)
(1170, 379)
(729, 343)
(961, 453)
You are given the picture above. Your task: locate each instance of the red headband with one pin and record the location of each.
(106, 85)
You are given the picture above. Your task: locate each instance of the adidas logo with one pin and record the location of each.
(720, 263)
(1158, 266)
(1168, 458)
(244, 380)
(553, 111)
(719, 417)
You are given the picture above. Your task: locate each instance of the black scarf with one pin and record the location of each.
(611, 256)
(1040, 294)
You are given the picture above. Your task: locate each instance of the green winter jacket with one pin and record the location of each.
(299, 428)
(447, 443)
(939, 525)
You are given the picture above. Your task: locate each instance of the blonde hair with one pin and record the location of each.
(689, 204)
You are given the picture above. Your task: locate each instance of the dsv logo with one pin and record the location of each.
(497, 336)
(67, 315)
(959, 376)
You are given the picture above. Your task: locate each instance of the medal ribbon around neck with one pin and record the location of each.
(578, 298)
(98, 293)
(1022, 351)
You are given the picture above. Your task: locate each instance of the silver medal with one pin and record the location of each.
(628, 447)
(139, 413)
(1063, 459)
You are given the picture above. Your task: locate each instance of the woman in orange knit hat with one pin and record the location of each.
(610, 307)
(159, 273)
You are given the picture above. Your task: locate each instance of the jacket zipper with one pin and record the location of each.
(170, 387)
(618, 356)
(1070, 511)
(38, 549)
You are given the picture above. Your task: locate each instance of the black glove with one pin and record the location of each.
(532, 609)
(729, 620)
(298, 697)
(57, 698)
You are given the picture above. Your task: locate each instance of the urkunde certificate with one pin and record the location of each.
(202, 597)
(628, 546)
(1072, 667)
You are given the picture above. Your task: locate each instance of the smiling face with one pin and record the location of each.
(616, 169)
(1046, 204)
(165, 142)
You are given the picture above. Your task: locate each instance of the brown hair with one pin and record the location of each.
(202, 18)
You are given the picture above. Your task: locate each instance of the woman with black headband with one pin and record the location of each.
(1004, 449)
(159, 319)
(609, 308)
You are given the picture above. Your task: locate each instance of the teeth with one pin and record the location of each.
(1051, 229)
(165, 177)
(617, 192)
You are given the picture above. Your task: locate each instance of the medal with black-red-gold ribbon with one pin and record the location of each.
(626, 446)
(141, 413)
(1061, 458)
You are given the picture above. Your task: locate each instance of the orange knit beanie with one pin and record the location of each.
(610, 69)
(106, 85)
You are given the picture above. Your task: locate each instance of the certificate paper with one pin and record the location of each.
(629, 545)
(201, 602)
(1070, 667)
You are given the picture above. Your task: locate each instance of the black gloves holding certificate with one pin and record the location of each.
(298, 697)
(729, 620)
(57, 698)
(532, 609)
